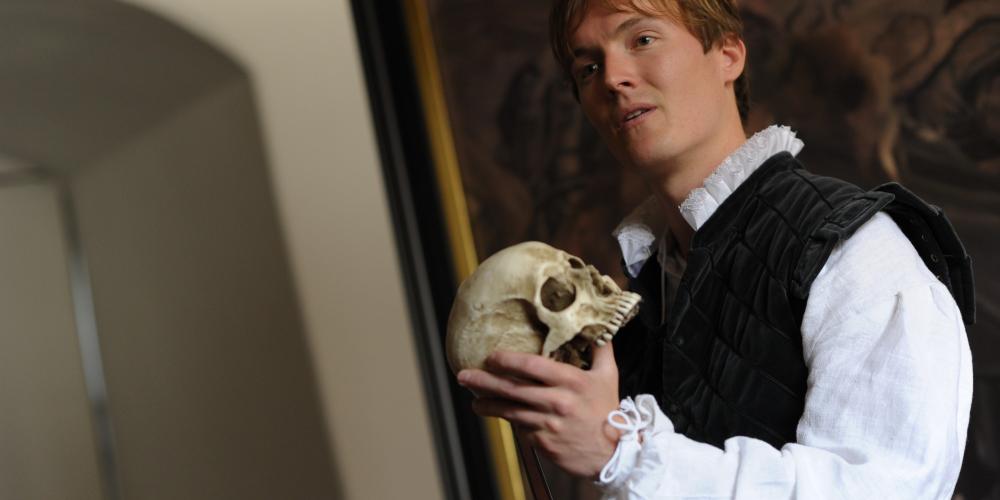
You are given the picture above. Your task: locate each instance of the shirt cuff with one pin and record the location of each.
(632, 469)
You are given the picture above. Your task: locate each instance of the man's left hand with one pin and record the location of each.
(562, 409)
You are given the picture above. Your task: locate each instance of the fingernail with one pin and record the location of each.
(463, 378)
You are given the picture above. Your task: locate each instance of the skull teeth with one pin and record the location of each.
(604, 339)
(628, 305)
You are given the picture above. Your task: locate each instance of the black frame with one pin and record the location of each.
(422, 240)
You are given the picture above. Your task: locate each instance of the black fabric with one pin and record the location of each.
(728, 359)
(937, 243)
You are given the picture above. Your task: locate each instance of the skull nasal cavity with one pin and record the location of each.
(557, 295)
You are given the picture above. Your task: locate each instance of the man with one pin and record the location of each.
(799, 338)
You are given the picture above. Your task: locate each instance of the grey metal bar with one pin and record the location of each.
(90, 345)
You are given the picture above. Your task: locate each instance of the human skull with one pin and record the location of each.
(533, 298)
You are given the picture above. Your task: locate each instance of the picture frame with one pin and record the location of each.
(488, 142)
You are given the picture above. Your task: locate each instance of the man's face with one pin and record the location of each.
(648, 86)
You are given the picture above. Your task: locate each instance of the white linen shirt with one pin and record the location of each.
(889, 386)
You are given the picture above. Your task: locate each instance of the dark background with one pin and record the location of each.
(877, 90)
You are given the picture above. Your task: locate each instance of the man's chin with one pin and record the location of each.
(641, 159)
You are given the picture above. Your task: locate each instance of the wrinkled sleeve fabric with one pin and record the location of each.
(887, 406)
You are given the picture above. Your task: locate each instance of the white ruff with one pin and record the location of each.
(640, 231)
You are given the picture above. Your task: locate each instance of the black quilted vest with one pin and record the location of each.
(728, 360)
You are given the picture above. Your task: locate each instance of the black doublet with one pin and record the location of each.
(728, 360)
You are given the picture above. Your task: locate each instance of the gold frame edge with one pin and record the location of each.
(500, 437)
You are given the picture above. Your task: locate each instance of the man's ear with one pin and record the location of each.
(733, 54)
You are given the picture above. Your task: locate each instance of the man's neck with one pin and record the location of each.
(688, 172)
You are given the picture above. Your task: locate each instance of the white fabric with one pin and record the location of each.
(637, 233)
(633, 467)
(701, 203)
(887, 404)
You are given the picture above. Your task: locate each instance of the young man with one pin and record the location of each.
(799, 337)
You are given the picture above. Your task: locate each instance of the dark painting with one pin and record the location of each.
(878, 90)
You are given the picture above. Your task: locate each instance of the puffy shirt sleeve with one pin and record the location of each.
(887, 404)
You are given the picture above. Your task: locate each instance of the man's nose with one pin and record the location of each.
(619, 73)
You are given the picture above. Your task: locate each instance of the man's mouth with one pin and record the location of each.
(635, 114)
(632, 116)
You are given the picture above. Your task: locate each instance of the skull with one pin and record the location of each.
(533, 298)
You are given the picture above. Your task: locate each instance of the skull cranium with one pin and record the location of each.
(533, 298)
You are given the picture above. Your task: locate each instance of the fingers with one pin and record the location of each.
(533, 367)
(489, 385)
(604, 358)
(518, 414)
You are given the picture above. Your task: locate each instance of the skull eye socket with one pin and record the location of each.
(557, 295)
(575, 263)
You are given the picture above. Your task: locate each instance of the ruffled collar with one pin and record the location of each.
(645, 228)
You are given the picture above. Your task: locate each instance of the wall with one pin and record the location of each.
(305, 71)
(211, 389)
(47, 448)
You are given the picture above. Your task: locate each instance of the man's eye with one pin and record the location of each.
(588, 70)
(644, 40)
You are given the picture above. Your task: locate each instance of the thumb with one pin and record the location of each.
(604, 357)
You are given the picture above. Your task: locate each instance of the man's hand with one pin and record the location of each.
(562, 409)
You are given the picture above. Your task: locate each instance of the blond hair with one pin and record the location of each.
(708, 20)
